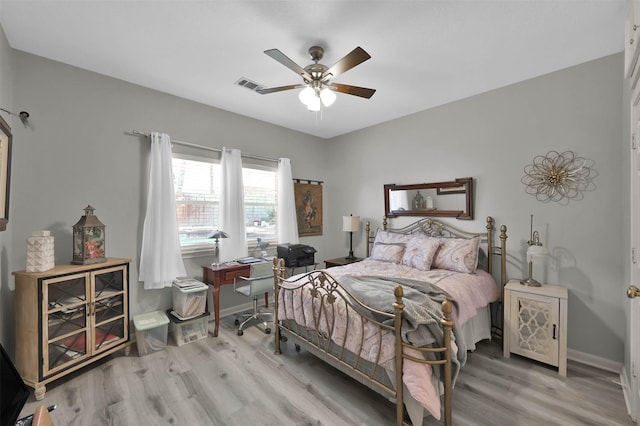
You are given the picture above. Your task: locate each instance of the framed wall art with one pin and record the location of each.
(308, 207)
(5, 172)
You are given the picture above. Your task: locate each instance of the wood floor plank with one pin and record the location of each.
(238, 381)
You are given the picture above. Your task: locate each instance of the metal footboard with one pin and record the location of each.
(323, 336)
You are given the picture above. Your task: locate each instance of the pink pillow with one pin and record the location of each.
(458, 254)
(390, 237)
(387, 252)
(420, 251)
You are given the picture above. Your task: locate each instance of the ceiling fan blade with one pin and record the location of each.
(353, 58)
(279, 89)
(284, 60)
(363, 92)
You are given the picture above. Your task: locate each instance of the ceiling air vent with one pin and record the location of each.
(251, 85)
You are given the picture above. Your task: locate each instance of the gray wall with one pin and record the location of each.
(80, 154)
(491, 137)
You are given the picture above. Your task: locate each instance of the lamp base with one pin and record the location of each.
(530, 282)
(216, 255)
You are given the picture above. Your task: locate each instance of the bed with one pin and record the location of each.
(406, 314)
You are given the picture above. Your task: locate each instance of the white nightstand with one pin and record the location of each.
(535, 321)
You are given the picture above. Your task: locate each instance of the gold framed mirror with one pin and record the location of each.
(444, 199)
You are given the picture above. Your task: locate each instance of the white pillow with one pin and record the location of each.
(420, 251)
(458, 254)
(387, 252)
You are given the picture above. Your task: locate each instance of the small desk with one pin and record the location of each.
(220, 275)
(339, 261)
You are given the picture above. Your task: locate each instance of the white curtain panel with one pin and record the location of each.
(232, 206)
(286, 211)
(160, 257)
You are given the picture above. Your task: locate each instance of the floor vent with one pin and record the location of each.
(251, 85)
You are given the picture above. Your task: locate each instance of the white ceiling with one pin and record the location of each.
(423, 53)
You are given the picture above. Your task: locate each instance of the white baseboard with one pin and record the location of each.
(626, 390)
(594, 361)
(232, 310)
(245, 307)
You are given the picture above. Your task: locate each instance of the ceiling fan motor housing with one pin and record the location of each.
(316, 53)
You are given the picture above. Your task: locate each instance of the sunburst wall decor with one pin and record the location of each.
(556, 176)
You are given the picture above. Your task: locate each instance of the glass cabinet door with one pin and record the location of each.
(109, 308)
(65, 320)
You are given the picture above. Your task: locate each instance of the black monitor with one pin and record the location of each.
(13, 391)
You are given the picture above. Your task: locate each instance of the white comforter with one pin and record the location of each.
(470, 291)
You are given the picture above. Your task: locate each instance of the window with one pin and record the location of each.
(197, 188)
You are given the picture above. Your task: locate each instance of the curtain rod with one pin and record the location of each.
(297, 180)
(207, 148)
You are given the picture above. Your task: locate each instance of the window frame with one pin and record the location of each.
(206, 249)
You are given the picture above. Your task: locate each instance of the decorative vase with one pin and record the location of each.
(429, 202)
(418, 201)
(40, 252)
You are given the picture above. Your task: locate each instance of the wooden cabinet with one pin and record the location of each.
(68, 317)
(535, 321)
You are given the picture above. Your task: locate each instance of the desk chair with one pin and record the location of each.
(260, 281)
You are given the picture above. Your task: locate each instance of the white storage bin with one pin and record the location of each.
(189, 298)
(188, 331)
(151, 331)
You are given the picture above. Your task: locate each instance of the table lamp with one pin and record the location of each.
(351, 224)
(216, 250)
(262, 245)
(535, 252)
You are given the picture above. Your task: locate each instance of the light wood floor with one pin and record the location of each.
(232, 380)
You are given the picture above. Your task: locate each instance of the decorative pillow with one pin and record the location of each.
(420, 251)
(389, 237)
(458, 254)
(387, 252)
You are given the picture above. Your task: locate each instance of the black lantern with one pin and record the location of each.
(88, 239)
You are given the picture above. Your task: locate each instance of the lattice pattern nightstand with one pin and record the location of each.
(535, 321)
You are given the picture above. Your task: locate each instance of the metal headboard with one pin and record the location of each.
(437, 228)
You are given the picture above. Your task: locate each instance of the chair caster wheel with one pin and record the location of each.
(240, 332)
(297, 348)
(283, 338)
(267, 331)
(237, 322)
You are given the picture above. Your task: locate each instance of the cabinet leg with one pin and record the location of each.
(39, 392)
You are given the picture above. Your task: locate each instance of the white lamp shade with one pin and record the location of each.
(314, 104)
(350, 223)
(328, 97)
(537, 253)
(306, 95)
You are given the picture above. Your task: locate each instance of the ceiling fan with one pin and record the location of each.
(317, 86)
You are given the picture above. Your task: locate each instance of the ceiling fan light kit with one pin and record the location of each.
(317, 89)
(327, 96)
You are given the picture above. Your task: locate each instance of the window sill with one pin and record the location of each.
(193, 252)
